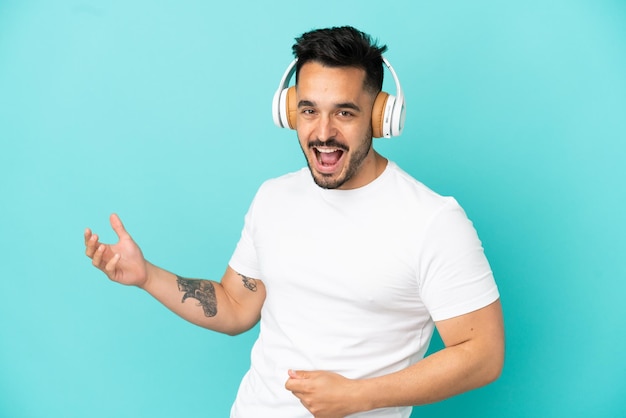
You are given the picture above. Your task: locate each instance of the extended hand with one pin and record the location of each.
(122, 262)
(324, 394)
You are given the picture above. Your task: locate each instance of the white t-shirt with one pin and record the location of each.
(354, 281)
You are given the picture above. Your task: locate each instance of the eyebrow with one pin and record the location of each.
(306, 103)
(346, 105)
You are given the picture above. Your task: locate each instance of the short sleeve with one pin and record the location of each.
(244, 259)
(455, 276)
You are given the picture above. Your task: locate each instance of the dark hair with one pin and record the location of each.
(342, 47)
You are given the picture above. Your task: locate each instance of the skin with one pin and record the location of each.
(334, 113)
(230, 306)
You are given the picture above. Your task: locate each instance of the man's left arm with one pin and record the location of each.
(473, 357)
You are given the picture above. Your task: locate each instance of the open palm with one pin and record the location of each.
(122, 262)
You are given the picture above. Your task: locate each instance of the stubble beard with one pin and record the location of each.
(329, 181)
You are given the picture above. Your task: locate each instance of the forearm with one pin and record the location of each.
(199, 301)
(473, 357)
(449, 372)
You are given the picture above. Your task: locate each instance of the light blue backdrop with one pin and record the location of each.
(160, 111)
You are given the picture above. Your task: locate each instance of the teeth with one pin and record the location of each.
(327, 150)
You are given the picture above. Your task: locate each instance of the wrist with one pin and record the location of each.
(151, 271)
(368, 394)
(362, 395)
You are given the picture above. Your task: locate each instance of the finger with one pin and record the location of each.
(96, 260)
(118, 226)
(91, 245)
(112, 264)
(294, 387)
(298, 374)
(296, 382)
(87, 234)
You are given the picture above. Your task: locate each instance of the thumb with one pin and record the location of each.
(298, 374)
(118, 227)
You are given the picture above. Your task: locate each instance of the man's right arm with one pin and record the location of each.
(231, 306)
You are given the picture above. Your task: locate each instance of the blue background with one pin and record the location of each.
(160, 111)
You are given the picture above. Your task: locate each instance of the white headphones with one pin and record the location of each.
(388, 113)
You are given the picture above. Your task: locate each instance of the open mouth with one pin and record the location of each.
(328, 157)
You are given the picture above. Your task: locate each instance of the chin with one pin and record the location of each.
(328, 181)
(323, 180)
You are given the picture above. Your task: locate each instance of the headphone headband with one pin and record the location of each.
(280, 112)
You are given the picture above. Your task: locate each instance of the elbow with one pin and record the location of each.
(230, 330)
(493, 366)
(493, 373)
(234, 332)
(237, 327)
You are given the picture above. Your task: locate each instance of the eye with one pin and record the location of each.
(308, 111)
(345, 114)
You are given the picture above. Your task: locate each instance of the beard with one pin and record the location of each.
(351, 167)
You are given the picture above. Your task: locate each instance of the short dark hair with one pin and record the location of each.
(342, 46)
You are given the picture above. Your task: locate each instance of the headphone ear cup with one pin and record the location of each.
(378, 114)
(286, 108)
(398, 116)
(291, 106)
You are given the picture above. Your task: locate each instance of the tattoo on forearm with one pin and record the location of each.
(201, 290)
(248, 283)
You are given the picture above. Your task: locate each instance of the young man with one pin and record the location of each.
(349, 265)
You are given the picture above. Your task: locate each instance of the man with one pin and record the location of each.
(348, 265)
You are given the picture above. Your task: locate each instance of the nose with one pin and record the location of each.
(325, 128)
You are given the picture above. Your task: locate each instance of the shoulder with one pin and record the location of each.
(287, 182)
(276, 192)
(414, 194)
